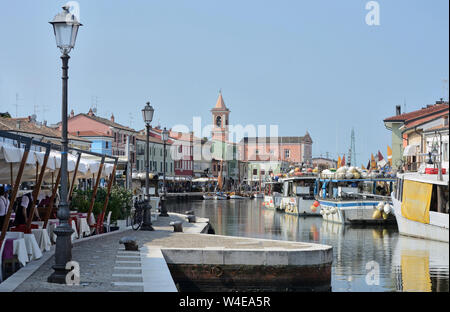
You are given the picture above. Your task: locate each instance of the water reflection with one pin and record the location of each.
(365, 259)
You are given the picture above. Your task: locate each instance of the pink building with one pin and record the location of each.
(290, 149)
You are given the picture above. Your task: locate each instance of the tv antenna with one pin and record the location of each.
(17, 104)
(94, 103)
(445, 88)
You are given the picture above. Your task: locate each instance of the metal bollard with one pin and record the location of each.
(130, 243)
(191, 218)
(177, 226)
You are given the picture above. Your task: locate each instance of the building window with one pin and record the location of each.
(263, 172)
(106, 144)
(287, 153)
(255, 171)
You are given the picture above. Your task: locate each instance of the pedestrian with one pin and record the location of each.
(4, 205)
(23, 210)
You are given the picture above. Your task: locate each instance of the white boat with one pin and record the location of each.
(421, 205)
(418, 261)
(220, 196)
(298, 196)
(258, 195)
(272, 195)
(208, 196)
(234, 196)
(352, 201)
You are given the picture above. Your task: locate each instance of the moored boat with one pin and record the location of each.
(421, 205)
(208, 196)
(272, 195)
(356, 201)
(220, 196)
(298, 195)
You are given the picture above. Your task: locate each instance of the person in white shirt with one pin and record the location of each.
(23, 210)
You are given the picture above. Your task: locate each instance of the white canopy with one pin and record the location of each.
(410, 150)
(11, 157)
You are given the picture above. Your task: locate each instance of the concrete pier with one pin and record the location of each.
(168, 261)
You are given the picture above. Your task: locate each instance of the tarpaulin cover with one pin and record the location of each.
(416, 201)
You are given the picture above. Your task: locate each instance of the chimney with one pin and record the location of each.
(90, 113)
(398, 110)
(45, 123)
(440, 102)
(112, 117)
(72, 114)
(17, 124)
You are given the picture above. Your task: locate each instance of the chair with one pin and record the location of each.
(107, 224)
(14, 261)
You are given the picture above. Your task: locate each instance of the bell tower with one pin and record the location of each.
(220, 114)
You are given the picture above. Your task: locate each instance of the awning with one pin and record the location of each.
(410, 150)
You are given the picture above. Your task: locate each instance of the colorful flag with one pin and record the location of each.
(373, 164)
(389, 155)
(362, 167)
(368, 165)
(381, 162)
(339, 162)
(343, 161)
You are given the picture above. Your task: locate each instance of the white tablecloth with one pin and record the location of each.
(42, 239)
(34, 252)
(20, 250)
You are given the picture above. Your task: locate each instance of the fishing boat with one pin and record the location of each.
(298, 195)
(355, 201)
(421, 205)
(272, 194)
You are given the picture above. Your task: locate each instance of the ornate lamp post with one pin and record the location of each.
(147, 114)
(164, 137)
(65, 27)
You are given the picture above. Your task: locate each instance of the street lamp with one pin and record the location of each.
(65, 27)
(164, 137)
(147, 114)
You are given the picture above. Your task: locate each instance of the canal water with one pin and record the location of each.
(375, 259)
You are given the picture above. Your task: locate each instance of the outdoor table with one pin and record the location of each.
(42, 239)
(32, 246)
(19, 248)
(13, 247)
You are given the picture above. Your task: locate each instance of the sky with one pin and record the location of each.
(311, 66)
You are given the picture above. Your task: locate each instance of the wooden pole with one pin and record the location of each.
(15, 190)
(52, 199)
(105, 205)
(94, 193)
(74, 178)
(37, 189)
(11, 171)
